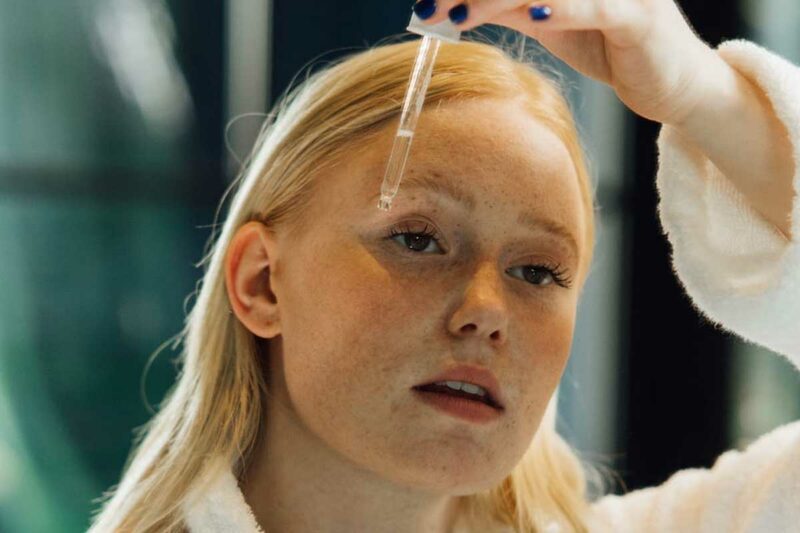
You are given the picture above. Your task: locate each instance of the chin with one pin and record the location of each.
(448, 476)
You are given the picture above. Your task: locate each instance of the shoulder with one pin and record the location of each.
(756, 487)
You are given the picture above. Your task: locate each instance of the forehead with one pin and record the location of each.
(431, 183)
(488, 155)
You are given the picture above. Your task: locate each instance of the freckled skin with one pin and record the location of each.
(362, 318)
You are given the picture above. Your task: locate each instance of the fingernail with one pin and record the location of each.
(458, 14)
(424, 8)
(540, 12)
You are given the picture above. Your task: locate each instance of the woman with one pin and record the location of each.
(322, 320)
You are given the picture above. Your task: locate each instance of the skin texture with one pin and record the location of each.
(355, 319)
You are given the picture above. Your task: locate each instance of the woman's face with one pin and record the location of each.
(365, 315)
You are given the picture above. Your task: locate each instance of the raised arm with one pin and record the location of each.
(724, 211)
(743, 273)
(736, 125)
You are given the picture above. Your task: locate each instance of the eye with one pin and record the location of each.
(415, 240)
(540, 274)
(536, 273)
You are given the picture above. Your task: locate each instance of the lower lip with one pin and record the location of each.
(470, 410)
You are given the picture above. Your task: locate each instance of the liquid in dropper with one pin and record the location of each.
(412, 106)
(395, 167)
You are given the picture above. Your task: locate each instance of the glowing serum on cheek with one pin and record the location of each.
(432, 37)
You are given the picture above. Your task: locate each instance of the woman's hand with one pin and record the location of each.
(644, 49)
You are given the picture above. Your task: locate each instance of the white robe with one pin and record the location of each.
(742, 274)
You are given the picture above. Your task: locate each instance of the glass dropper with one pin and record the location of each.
(432, 36)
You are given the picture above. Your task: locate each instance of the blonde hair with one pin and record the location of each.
(215, 408)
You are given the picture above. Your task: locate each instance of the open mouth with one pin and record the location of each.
(484, 398)
(459, 404)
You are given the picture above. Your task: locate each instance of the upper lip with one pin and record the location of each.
(483, 377)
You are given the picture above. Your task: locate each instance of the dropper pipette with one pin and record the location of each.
(432, 36)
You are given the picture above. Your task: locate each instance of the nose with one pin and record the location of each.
(482, 312)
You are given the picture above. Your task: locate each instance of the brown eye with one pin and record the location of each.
(544, 275)
(538, 275)
(417, 241)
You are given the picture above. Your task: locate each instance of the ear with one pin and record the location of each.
(247, 279)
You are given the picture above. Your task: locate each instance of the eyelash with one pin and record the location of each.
(558, 274)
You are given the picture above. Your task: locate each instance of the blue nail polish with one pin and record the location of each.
(425, 8)
(458, 14)
(540, 12)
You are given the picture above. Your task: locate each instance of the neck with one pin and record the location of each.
(296, 483)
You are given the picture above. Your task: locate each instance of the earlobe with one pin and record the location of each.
(248, 279)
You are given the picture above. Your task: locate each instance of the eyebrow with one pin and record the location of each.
(437, 184)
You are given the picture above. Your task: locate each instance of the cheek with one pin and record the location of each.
(551, 332)
(340, 319)
(347, 336)
(547, 339)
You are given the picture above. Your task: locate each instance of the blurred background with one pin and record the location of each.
(113, 118)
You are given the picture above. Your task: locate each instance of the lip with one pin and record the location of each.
(463, 408)
(476, 375)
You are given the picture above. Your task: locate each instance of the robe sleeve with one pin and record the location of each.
(743, 275)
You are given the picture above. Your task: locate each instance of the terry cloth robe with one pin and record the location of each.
(742, 274)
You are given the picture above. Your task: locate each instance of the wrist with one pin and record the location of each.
(733, 123)
(718, 90)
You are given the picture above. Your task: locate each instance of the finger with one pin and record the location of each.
(439, 8)
(469, 14)
(624, 22)
(583, 50)
(580, 14)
